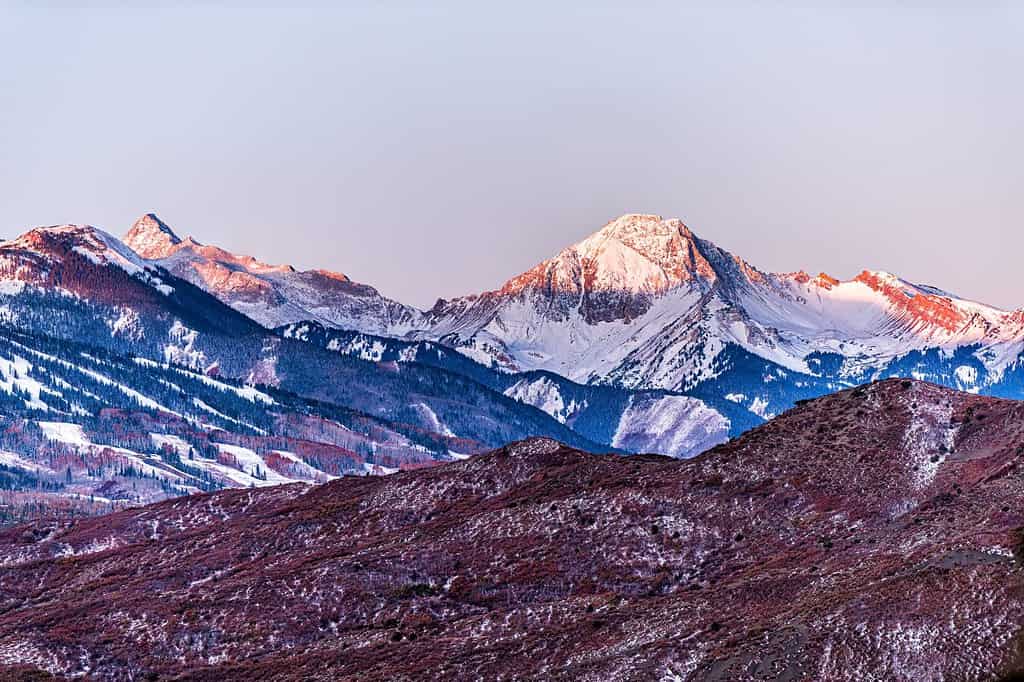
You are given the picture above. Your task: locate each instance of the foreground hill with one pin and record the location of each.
(870, 534)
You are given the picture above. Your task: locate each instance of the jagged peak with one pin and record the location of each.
(822, 280)
(672, 246)
(888, 283)
(826, 280)
(152, 221)
(638, 252)
(151, 237)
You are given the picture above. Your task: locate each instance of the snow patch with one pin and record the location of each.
(678, 426)
(544, 394)
(64, 432)
(928, 438)
(431, 419)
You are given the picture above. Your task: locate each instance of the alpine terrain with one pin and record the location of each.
(644, 304)
(123, 383)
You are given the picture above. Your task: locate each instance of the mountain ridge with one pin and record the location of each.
(121, 383)
(644, 303)
(273, 295)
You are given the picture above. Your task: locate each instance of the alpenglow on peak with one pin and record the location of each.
(151, 237)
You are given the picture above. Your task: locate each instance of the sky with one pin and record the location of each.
(435, 152)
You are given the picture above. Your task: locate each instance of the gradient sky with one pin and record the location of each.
(436, 152)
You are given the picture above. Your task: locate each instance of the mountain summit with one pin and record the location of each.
(151, 237)
(614, 273)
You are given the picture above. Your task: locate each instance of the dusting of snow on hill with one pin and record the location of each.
(930, 436)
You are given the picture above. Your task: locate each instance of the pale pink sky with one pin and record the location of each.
(438, 152)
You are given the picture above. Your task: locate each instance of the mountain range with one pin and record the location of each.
(155, 366)
(273, 295)
(645, 304)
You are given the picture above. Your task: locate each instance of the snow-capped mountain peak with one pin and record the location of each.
(151, 237)
(82, 260)
(646, 303)
(633, 257)
(668, 245)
